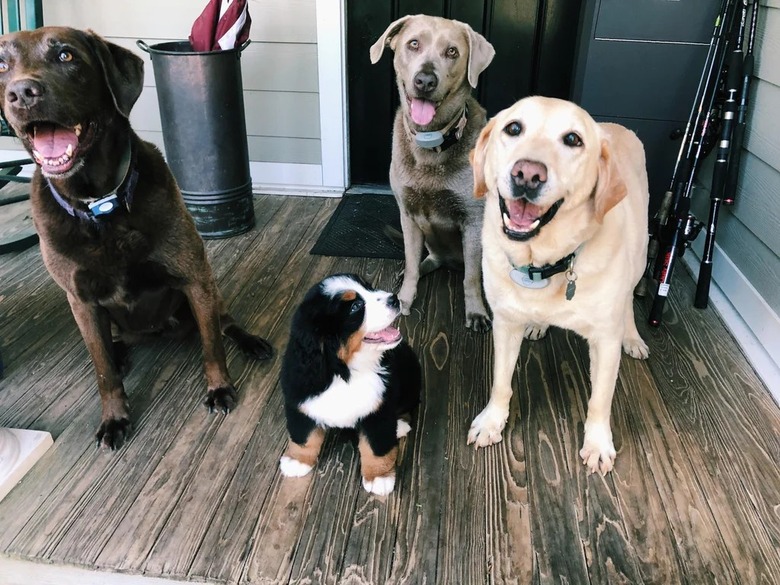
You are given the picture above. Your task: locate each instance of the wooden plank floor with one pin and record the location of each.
(693, 498)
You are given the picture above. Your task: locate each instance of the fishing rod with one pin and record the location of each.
(730, 192)
(681, 227)
(734, 78)
(661, 217)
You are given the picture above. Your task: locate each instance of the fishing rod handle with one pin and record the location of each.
(702, 297)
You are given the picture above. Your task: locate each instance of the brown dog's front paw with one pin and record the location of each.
(113, 433)
(479, 323)
(223, 399)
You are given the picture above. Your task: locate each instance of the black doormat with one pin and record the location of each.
(365, 225)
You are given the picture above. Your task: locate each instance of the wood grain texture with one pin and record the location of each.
(692, 499)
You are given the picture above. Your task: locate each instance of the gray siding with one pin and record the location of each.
(279, 68)
(749, 232)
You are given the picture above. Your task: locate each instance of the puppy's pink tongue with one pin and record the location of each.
(423, 111)
(52, 140)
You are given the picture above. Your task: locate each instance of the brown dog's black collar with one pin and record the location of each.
(97, 210)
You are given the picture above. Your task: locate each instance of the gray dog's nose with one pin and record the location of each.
(529, 174)
(425, 82)
(24, 92)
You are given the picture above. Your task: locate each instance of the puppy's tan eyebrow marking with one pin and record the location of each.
(349, 295)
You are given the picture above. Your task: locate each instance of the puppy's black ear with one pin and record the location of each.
(122, 70)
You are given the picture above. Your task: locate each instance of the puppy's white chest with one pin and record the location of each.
(343, 404)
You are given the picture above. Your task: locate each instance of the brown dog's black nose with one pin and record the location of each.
(24, 93)
(529, 174)
(425, 81)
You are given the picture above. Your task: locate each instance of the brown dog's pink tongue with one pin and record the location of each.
(423, 111)
(52, 141)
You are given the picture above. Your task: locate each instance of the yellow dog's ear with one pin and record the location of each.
(376, 50)
(610, 188)
(477, 160)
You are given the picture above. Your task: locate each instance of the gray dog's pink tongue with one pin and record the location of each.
(52, 141)
(423, 111)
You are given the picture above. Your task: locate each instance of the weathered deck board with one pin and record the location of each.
(693, 497)
(734, 444)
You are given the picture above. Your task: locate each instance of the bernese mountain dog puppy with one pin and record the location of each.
(347, 367)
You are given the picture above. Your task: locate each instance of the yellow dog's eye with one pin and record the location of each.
(65, 56)
(572, 139)
(414, 44)
(513, 129)
(452, 53)
(3, 66)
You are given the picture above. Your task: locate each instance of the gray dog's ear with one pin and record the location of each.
(481, 53)
(386, 39)
(123, 71)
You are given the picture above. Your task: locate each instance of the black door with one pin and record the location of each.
(534, 40)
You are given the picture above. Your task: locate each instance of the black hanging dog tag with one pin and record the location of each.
(571, 288)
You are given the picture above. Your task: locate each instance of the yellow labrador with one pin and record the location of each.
(564, 243)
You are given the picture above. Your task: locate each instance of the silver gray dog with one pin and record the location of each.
(437, 62)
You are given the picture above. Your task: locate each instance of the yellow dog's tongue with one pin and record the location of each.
(423, 111)
(522, 213)
(52, 141)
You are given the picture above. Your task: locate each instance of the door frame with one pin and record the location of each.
(332, 73)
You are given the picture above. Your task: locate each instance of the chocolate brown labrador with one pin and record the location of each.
(114, 232)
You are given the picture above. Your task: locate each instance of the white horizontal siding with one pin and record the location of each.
(279, 68)
(268, 113)
(262, 148)
(279, 21)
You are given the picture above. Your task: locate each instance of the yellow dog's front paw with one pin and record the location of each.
(598, 452)
(487, 426)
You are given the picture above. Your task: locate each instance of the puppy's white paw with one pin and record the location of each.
(292, 467)
(535, 332)
(598, 452)
(402, 429)
(487, 426)
(636, 348)
(380, 486)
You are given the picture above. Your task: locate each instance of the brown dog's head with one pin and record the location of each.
(541, 156)
(59, 86)
(435, 60)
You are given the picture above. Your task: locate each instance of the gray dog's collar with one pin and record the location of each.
(441, 140)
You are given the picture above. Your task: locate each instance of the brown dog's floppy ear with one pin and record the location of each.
(376, 50)
(481, 53)
(477, 160)
(122, 70)
(610, 187)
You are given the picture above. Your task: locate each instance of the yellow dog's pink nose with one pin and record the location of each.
(529, 173)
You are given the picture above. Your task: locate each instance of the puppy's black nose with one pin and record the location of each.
(393, 302)
(24, 93)
(425, 81)
(528, 176)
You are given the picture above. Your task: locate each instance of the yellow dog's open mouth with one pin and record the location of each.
(522, 220)
(54, 147)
